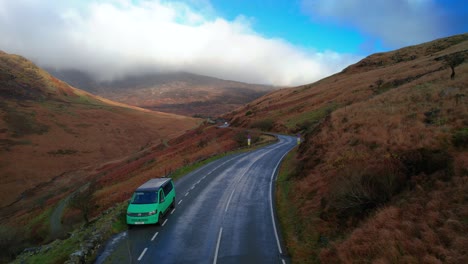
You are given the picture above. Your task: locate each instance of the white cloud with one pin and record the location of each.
(397, 22)
(114, 38)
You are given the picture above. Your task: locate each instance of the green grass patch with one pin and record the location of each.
(312, 116)
(301, 244)
(23, 123)
(111, 222)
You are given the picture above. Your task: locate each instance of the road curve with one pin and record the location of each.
(224, 214)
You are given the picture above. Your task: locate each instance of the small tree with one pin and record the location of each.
(83, 201)
(453, 61)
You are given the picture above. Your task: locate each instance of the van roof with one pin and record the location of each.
(153, 184)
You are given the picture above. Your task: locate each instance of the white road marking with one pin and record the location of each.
(217, 246)
(142, 254)
(193, 187)
(271, 204)
(229, 201)
(179, 202)
(187, 193)
(165, 221)
(155, 235)
(173, 210)
(198, 181)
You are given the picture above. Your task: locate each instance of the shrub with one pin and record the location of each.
(427, 161)
(359, 189)
(83, 200)
(248, 113)
(11, 242)
(264, 125)
(460, 138)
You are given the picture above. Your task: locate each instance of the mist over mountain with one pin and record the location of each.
(177, 92)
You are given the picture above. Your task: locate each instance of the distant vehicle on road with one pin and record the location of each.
(226, 124)
(150, 201)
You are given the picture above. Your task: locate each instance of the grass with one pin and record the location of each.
(311, 116)
(112, 222)
(23, 123)
(300, 244)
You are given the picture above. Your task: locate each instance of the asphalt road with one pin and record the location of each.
(224, 214)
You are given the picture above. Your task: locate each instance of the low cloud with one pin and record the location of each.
(396, 22)
(112, 39)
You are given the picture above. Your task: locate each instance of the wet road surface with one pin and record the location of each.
(224, 214)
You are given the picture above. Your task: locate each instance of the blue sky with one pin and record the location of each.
(296, 21)
(287, 20)
(276, 42)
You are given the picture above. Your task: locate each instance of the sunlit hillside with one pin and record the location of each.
(53, 136)
(381, 174)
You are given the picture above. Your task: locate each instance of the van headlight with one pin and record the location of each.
(152, 212)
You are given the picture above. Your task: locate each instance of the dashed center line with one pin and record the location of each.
(217, 246)
(180, 201)
(155, 235)
(193, 187)
(173, 210)
(187, 193)
(142, 254)
(165, 221)
(229, 201)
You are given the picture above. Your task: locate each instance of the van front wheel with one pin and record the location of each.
(157, 220)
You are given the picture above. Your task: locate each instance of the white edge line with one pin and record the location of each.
(229, 201)
(165, 221)
(271, 204)
(217, 246)
(142, 254)
(155, 235)
(179, 201)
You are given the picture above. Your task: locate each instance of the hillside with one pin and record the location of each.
(53, 136)
(179, 93)
(381, 174)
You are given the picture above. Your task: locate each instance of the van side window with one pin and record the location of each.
(167, 188)
(161, 197)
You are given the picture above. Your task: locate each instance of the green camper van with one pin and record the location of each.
(151, 201)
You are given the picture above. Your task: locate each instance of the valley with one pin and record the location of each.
(179, 93)
(380, 173)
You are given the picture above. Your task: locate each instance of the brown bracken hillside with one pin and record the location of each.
(179, 93)
(381, 176)
(53, 135)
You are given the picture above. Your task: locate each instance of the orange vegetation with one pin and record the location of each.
(52, 136)
(381, 176)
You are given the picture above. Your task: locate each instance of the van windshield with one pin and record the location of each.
(145, 198)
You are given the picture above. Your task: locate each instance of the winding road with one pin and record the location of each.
(224, 214)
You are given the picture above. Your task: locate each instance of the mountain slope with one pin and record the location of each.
(381, 173)
(179, 93)
(52, 135)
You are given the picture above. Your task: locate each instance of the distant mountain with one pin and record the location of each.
(381, 173)
(53, 135)
(179, 93)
